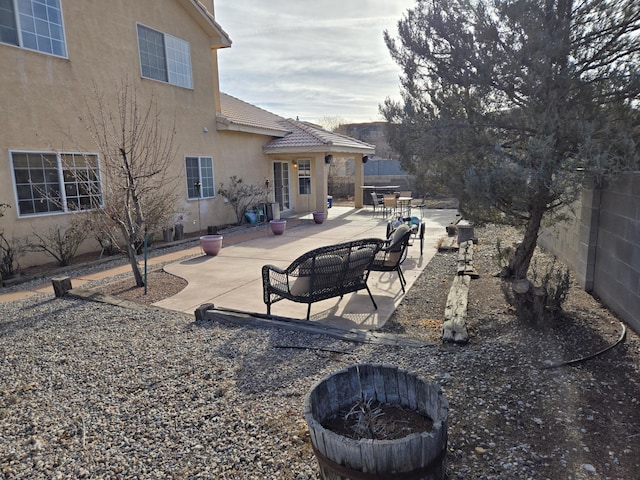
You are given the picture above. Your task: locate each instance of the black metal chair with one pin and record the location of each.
(421, 205)
(377, 202)
(390, 257)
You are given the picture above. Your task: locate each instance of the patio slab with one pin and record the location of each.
(233, 278)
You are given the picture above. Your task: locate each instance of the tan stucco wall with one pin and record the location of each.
(42, 95)
(240, 155)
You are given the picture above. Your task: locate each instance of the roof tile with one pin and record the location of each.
(289, 133)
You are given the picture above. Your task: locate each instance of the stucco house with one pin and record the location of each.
(58, 53)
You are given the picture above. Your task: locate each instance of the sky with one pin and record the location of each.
(315, 60)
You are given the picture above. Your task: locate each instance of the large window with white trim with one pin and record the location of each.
(164, 57)
(33, 24)
(47, 183)
(200, 181)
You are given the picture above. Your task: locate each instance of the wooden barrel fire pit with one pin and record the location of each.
(353, 419)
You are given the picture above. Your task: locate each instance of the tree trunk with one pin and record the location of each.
(133, 260)
(127, 227)
(519, 265)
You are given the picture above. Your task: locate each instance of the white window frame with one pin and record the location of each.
(40, 29)
(304, 175)
(175, 54)
(63, 179)
(207, 182)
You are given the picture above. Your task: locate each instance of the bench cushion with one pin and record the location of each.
(300, 286)
(325, 270)
(359, 259)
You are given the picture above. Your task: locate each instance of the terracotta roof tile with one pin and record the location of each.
(291, 135)
(307, 135)
(236, 112)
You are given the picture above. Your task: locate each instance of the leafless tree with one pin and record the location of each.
(137, 150)
(334, 124)
(241, 196)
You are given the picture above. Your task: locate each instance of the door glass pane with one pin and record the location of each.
(281, 185)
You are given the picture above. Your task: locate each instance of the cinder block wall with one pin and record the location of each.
(617, 266)
(602, 244)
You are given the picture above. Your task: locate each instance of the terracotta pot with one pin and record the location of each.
(211, 244)
(319, 217)
(278, 226)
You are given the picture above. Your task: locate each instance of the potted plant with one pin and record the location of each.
(377, 421)
(319, 217)
(278, 226)
(211, 244)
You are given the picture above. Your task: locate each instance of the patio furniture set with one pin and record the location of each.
(392, 204)
(336, 270)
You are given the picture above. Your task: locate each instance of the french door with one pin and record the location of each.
(281, 185)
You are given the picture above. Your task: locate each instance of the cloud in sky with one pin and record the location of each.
(311, 59)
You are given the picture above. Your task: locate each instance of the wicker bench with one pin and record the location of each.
(322, 273)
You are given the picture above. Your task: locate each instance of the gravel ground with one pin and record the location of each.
(93, 390)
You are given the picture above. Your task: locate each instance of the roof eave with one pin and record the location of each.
(249, 129)
(224, 124)
(218, 37)
(318, 149)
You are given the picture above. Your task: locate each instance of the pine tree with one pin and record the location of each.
(511, 104)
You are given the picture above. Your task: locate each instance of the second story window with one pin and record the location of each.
(164, 57)
(33, 24)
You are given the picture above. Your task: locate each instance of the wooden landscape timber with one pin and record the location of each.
(249, 319)
(237, 317)
(465, 260)
(454, 327)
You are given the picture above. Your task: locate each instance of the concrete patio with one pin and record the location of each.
(232, 279)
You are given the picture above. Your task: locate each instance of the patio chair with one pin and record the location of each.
(377, 203)
(421, 205)
(390, 257)
(406, 205)
(390, 203)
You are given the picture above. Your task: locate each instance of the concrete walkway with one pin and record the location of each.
(233, 280)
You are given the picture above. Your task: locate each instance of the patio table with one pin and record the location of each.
(379, 189)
